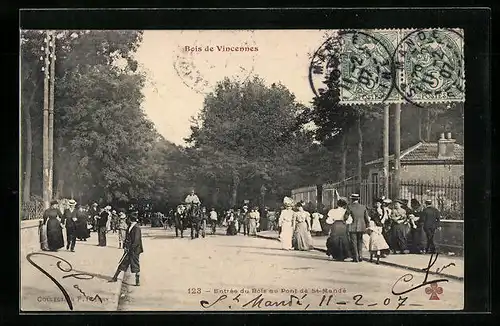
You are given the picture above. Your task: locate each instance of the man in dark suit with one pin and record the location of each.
(133, 248)
(431, 218)
(360, 221)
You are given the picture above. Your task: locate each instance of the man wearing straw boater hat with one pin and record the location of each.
(70, 219)
(357, 215)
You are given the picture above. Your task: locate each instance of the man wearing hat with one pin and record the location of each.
(70, 218)
(93, 214)
(245, 220)
(360, 220)
(431, 218)
(102, 222)
(133, 248)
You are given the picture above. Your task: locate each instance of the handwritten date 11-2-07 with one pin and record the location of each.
(303, 301)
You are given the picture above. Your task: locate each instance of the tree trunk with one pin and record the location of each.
(360, 150)
(343, 165)
(419, 124)
(29, 149)
(234, 190)
(59, 168)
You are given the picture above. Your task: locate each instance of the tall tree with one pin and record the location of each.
(243, 136)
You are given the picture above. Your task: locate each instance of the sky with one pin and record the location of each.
(178, 79)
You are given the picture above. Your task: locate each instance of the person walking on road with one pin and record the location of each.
(337, 244)
(431, 219)
(133, 249)
(52, 219)
(122, 228)
(102, 223)
(71, 228)
(302, 229)
(82, 224)
(316, 224)
(245, 214)
(399, 227)
(358, 213)
(253, 220)
(285, 224)
(213, 220)
(93, 215)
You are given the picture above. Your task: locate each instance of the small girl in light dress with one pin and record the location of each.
(377, 241)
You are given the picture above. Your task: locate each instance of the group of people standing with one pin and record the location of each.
(78, 221)
(385, 228)
(245, 218)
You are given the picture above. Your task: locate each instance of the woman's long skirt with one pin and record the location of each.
(301, 237)
(102, 236)
(286, 236)
(231, 229)
(417, 236)
(316, 225)
(44, 244)
(252, 226)
(82, 230)
(399, 232)
(337, 244)
(55, 239)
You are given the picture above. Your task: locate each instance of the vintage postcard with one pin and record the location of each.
(242, 170)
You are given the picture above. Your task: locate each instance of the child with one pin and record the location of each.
(377, 241)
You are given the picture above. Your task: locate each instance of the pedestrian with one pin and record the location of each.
(213, 220)
(122, 228)
(337, 244)
(358, 213)
(253, 220)
(398, 230)
(379, 214)
(93, 215)
(52, 219)
(240, 216)
(69, 212)
(133, 248)
(377, 242)
(302, 229)
(82, 224)
(387, 225)
(114, 221)
(431, 222)
(231, 224)
(316, 224)
(285, 223)
(102, 222)
(417, 232)
(245, 213)
(271, 218)
(71, 226)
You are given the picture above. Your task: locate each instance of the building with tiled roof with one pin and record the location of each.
(443, 160)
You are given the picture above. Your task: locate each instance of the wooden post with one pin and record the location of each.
(386, 151)
(45, 185)
(397, 150)
(52, 47)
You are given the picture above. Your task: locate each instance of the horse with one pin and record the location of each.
(180, 221)
(196, 221)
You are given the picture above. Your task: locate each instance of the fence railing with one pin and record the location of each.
(32, 210)
(446, 195)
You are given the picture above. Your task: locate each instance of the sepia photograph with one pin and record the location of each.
(242, 170)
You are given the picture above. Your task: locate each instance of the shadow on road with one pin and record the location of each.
(292, 255)
(252, 247)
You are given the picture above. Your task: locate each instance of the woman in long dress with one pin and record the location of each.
(82, 230)
(380, 215)
(52, 218)
(231, 221)
(399, 228)
(302, 229)
(285, 223)
(316, 224)
(337, 244)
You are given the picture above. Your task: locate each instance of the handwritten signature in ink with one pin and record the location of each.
(258, 301)
(409, 277)
(66, 267)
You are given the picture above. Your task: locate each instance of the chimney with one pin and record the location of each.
(446, 146)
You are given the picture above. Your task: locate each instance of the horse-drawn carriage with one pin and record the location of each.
(190, 216)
